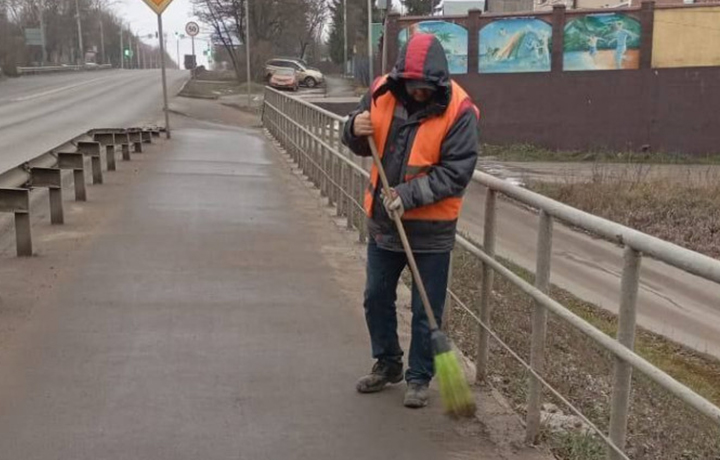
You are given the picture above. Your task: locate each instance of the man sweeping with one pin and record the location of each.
(426, 128)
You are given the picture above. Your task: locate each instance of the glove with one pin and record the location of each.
(393, 203)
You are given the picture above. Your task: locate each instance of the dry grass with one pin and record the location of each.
(661, 428)
(528, 152)
(684, 210)
(207, 89)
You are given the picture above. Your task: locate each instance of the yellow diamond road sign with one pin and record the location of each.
(158, 5)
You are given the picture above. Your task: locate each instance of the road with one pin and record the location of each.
(675, 304)
(40, 112)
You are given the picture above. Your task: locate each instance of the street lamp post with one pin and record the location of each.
(247, 49)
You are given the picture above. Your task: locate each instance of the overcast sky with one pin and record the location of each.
(142, 20)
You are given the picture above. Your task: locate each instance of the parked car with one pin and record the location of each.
(285, 79)
(307, 76)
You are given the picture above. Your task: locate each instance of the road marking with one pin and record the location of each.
(58, 90)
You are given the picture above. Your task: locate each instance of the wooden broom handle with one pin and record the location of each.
(403, 238)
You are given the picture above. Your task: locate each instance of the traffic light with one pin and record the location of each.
(126, 52)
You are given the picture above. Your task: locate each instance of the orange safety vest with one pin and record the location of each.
(425, 151)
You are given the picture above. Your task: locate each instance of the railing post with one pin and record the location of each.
(487, 282)
(622, 374)
(362, 228)
(342, 203)
(351, 196)
(17, 201)
(110, 153)
(323, 185)
(50, 178)
(23, 234)
(539, 327)
(79, 181)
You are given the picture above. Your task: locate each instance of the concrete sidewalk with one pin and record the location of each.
(201, 306)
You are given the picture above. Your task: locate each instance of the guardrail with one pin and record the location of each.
(60, 68)
(45, 171)
(312, 138)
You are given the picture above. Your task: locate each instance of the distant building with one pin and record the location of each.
(510, 6)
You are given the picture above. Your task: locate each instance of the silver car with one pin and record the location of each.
(308, 76)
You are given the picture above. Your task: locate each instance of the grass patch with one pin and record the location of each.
(685, 212)
(577, 446)
(660, 426)
(529, 153)
(215, 89)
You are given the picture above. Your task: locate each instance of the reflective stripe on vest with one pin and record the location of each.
(424, 153)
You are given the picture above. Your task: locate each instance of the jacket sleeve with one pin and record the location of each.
(358, 145)
(451, 176)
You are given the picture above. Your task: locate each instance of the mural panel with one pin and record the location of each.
(686, 37)
(515, 45)
(454, 39)
(602, 42)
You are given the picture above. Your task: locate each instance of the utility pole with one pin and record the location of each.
(80, 37)
(247, 49)
(178, 50)
(102, 39)
(137, 50)
(42, 32)
(122, 48)
(164, 78)
(345, 43)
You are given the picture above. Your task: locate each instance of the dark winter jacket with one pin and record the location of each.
(449, 178)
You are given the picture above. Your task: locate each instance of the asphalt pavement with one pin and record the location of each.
(203, 305)
(38, 113)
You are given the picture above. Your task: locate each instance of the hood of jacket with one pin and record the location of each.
(421, 58)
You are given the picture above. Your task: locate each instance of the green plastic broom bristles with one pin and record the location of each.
(455, 392)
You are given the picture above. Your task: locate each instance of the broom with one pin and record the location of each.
(455, 392)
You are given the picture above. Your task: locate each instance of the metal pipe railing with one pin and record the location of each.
(314, 136)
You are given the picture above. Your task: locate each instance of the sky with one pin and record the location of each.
(143, 21)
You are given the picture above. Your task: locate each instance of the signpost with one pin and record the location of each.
(158, 6)
(192, 29)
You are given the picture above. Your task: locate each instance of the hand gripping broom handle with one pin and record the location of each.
(404, 238)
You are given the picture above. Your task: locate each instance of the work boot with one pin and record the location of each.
(416, 395)
(383, 373)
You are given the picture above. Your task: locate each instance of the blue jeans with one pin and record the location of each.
(383, 273)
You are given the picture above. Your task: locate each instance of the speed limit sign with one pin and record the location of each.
(192, 28)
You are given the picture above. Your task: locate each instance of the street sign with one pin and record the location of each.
(158, 6)
(192, 28)
(33, 37)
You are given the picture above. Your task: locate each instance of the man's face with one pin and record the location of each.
(421, 94)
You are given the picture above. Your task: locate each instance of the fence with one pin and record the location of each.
(312, 138)
(626, 79)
